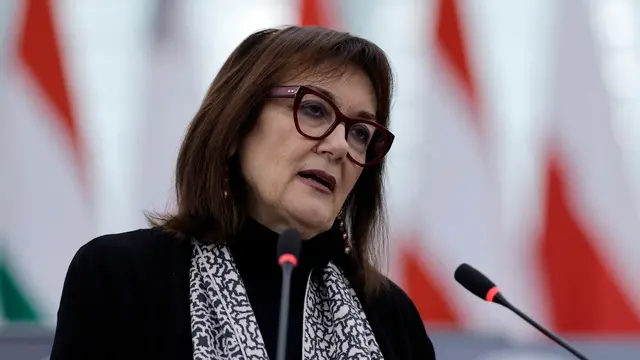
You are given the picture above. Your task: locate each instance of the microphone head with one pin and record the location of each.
(289, 245)
(477, 283)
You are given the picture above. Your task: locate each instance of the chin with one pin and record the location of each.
(313, 216)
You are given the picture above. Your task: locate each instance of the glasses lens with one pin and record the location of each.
(315, 115)
(364, 142)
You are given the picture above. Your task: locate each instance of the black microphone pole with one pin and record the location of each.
(287, 269)
(289, 244)
(557, 339)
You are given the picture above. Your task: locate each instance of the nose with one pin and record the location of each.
(335, 144)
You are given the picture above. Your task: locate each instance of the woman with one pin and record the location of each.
(291, 134)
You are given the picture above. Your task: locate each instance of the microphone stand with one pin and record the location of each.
(287, 269)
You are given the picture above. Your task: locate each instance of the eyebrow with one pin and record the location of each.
(361, 114)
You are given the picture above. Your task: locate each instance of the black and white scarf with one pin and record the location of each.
(223, 325)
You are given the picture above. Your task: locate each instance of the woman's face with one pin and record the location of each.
(276, 159)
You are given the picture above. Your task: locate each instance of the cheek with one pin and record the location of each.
(268, 162)
(255, 164)
(351, 176)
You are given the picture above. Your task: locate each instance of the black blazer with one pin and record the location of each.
(126, 296)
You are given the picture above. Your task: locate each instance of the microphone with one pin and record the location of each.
(480, 285)
(289, 244)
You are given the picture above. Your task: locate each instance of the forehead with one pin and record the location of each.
(349, 87)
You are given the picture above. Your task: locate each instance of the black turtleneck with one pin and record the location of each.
(126, 296)
(254, 251)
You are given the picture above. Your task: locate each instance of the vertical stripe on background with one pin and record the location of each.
(170, 99)
(585, 297)
(40, 54)
(452, 45)
(588, 216)
(428, 294)
(48, 204)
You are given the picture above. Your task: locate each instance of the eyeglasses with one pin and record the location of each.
(316, 116)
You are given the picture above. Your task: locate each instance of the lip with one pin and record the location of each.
(328, 179)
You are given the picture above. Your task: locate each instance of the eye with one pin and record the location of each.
(313, 109)
(361, 133)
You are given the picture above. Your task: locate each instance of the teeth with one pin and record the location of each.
(320, 180)
(317, 179)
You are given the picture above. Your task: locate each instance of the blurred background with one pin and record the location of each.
(517, 151)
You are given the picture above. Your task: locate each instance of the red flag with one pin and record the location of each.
(430, 296)
(585, 298)
(590, 224)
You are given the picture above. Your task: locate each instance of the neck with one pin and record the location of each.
(279, 225)
(256, 244)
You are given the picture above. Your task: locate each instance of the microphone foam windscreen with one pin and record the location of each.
(473, 280)
(289, 242)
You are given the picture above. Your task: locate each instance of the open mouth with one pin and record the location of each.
(319, 177)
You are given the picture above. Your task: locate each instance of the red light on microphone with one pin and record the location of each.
(491, 294)
(288, 258)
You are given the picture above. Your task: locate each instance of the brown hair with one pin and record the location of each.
(229, 111)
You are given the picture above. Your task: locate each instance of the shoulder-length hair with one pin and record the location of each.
(205, 169)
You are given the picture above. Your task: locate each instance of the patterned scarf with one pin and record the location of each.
(223, 325)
